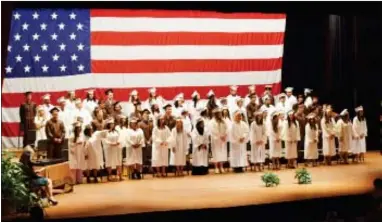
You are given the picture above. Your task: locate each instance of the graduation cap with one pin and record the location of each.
(46, 96)
(210, 93)
(195, 93)
(77, 101)
(266, 97)
(178, 97)
(90, 91)
(234, 88)
(344, 112)
(71, 91)
(359, 108)
(108, 91)
(167, 105)
(268, 86)
(282, 95)
(289, 112)
(54, 109)
(225, 108)
(307, 90)
(40, 108)
(61, 100)
(238, 99)
(183, 111)
(134, 93)
(133, 120)
(252, 87)
(289, 89)
(152, 90)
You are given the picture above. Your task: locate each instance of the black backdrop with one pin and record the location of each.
(338, 54)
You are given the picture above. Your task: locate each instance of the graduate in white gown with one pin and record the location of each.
(290, 98)
(274, 128)
(179, 105)
(162, 141)
(291, 135)
(308, 98)
(239, 105)
(112, 148)
(122, 127)
(311, 140)
(77, 153)
(94, 151)
(135, 142)
(153, 99)
(70, 103)
(219, 139)
(239, 137)
(231, 98)
(282, 105)
(195, 107)
(247, 98)
(130, 107)
(179, 146)
(345, 135)
(40, 122)
(328, 136)
(47, 105)
(360, 133)
(90, 103)
(200, 148)
(79, 111)
(258, 139)
(267, 100)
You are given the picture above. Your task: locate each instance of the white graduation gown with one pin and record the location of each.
(90, 106)
(134, 137)
(242, 109)
(238, 152)
(195, 111)
(199, 156)
(328, 145)
(219, 147)
(122, 139)
(257, 133)
(359, 128)
(275, 150)
(84, 114)
(344, 132)
(77, 153)
(67, 119)
(311, 147)
(47, 109)
(180, 143)
(228, 122)
(94, 150)
(160, 152)
(308, 101)
(40, 133)
(70, 105)
(111, 150)
(290, 134)
(283, 107)
(159, 101)
(291, 101)
(231, 101)
(187, 126)
(247, 100)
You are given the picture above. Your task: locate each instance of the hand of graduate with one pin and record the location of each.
(117, 143)
(315, 141)
(259, 142)
(362, 136)
(341, 139)
(86, 157)
(241, 140)
(277, 140)
(173, 150)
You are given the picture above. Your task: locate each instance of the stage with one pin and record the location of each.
(213, 191)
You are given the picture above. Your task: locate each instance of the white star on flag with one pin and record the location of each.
(43, 26)
(72, 36)
(80, 47)
(9, 48)
(35, 36)
(17, 16)
(80, 68)
(62, 47)
(35, 15)
(17, 37)
(72, 16)
(74, 57)
(25, 26)
(27, 68)
(61, 26)
(8, 69)
(55, 57)
(54, 16)
(54, 36)
(37, 58)
(79, 26)
(63, 68)
(45, 68)
(44, 47)
(18, 58)
(26, 47)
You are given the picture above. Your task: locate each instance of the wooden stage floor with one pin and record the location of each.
(213, 191)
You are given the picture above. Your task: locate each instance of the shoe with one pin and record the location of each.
(88, 180)
(139, 176)
(53, 202)
(216, 170)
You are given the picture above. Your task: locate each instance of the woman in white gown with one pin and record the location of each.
(77, 153)
(239, 135)
(291, 135)
(40, 122)
(94, 152)
(345, 135)
(135, 141)
(200, 148)
(227, 119)
(274, 128)
(90, 103)
(360, 134)
(179, 147)
(196, 106)
(328, 136)
(311, 140)
(112, 148)
(161, 144)
(258, 139)
(219, 136)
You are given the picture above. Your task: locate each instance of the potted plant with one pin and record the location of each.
(15, 194)
(303, 176)
(270, 179)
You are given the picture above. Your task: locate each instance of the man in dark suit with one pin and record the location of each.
(27, 113)
(109, 102)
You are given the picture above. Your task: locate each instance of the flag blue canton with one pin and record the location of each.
(49, 42)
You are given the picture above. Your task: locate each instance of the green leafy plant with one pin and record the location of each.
(270, 179)
(15, 194)
(303, 176)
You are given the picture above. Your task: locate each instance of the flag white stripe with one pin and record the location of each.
(185, 52)
(138, 80)
(10, 115)
(11, 142)
(186, 25)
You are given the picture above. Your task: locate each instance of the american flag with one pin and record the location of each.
(56, 50)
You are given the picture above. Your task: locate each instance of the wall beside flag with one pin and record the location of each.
(56, 50)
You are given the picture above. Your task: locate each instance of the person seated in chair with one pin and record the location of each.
(34, 178)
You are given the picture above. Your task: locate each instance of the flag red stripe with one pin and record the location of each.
(10, 130)
(186, 38)
(164, 66)
(10, 100)
(180, 14)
